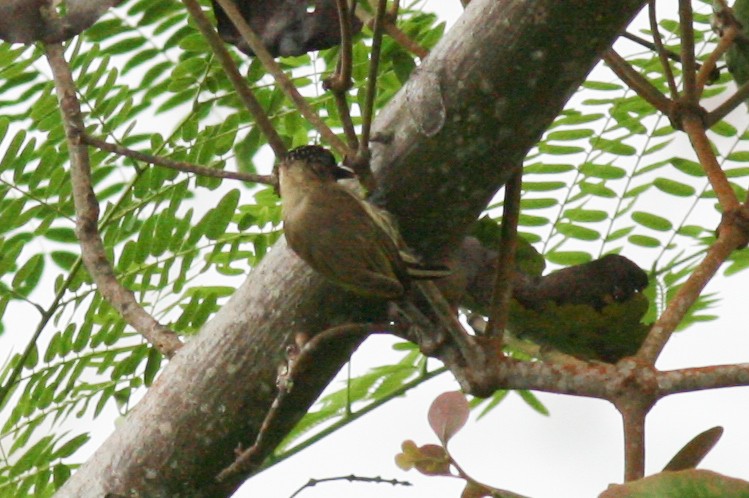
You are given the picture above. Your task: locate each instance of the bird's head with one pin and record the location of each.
(312, 162)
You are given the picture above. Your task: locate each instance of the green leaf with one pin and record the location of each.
(688, 167)
(222, 214)
(577, 232)
(673, 187)
(644, 241)
(28, 276)
(740, 156)
(61, 234)
(585, 215)
(567, 258)
(532, 401)
(602, 171)
(569, 134)
(652, 221)
(71, 446)
(613, 146)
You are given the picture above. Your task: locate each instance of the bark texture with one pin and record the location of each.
(452, 136)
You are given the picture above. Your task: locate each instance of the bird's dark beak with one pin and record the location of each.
(341, 173)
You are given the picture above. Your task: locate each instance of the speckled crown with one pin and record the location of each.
(320, 159)
(312, 153)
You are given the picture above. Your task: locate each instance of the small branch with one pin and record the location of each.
(304, 355)
(282, 80)
(362, 154)
(87, 215)
(691, 94)
(702, 378)
(634, 441)
(340, 82)
(238, 82)
(500, 306)
(729, 238)
(637, 82)
(694, 127)
(396, 34)
(660, 49)
(177, 165)
(392, 14)
(729, 105)
(350, 478)
(705, 71)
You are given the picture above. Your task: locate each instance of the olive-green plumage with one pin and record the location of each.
(347, 240)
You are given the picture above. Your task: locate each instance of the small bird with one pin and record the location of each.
(349, 241)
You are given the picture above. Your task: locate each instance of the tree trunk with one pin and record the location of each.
(449, 140)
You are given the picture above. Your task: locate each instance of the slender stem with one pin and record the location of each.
(176, 165)
(340, 82)
(374, 61)
(695, 129)
(635, 80)
(283, 81)
(662, 54)
(705, 72)
(729, 105)
(238, 82)
(687, 52)
(729, 238)
(396, 34)
(633, 418)
(93, 252)
(500, 306)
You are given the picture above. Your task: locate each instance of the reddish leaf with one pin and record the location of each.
(695, 450)
(448, 414)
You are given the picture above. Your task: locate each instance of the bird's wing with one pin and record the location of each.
(344, 242)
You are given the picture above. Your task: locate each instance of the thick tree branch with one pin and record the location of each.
(479, 96)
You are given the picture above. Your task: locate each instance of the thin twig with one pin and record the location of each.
(694, 127)
(392, 14)
(637, 82)
(500, 305)
(283, 81)
(729, 238)
(691, 95)
(350, 478)
(238, 82)
(176, 165)
(660, 49)
(728, 106)
(725, 42)
(87, 215)
(396, 34)
(361, 164)
(340, 83)
(247, 460)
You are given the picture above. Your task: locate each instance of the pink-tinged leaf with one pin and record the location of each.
(448, 414)
(690, 456)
